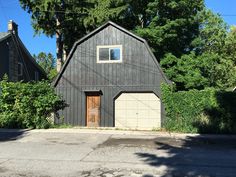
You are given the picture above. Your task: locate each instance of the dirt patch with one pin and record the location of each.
(132, 142)
(173, 142)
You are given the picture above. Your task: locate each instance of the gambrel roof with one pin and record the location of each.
(109, 23)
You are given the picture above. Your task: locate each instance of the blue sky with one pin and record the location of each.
(11, 10)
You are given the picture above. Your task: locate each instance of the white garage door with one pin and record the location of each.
(138, 111)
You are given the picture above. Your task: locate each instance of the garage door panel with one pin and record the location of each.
(131, 97)
(121, 123)
(131, 104)
(131, 113)
(121, 104)
(148, 104)
(153, 105)
(153, 113)
(145, 123)
(143, 104)
(153, 97)
(144, 96)
(143, 114)
(137, 111)
(121, 114)
(132, 122)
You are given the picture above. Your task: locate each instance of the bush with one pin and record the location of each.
(27, 105)
(194, 111)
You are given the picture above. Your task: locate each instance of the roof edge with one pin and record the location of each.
(5, 37)
(30, 56)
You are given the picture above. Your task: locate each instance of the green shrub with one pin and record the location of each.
(27, 105)
(194, 111)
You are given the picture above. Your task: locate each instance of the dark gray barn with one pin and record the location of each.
(111, 79)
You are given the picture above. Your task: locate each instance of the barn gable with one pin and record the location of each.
(108, 27)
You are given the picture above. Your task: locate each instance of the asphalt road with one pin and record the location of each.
(78, 153)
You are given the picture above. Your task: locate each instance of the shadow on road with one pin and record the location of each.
(11, 135)
(194, 156)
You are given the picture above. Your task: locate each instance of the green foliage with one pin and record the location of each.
(230, 45)
(212, 33)
(27, 105)
(70, 14)
(192, 43)
(52, 74)
(61, 126)
(199, 72)
(194, 111)
(210, 63)
(115, 10)
(48, 63)
(173, 26)
(72, 19)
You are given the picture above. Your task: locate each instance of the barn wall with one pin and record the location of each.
(137, 73)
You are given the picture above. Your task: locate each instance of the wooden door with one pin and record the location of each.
(93, 110)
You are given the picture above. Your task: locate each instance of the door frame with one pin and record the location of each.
(92, 93)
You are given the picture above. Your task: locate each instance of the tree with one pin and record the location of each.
(63, 18)
(193, 71)
(48, 63)
(70, 20)
(209, 63)
(212, 32)
(173, 26)
(230, 44)
(114, 10)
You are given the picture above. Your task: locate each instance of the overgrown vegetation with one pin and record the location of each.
(205, 111)
(27, 105)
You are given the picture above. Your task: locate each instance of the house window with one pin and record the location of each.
(109, 54)
(36, 76)
(20, 69)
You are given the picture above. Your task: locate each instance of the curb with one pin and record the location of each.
(121, 132)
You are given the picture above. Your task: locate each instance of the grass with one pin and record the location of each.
(61, 126)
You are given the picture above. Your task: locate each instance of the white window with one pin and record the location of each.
(109, 54)
(20, 69)
(36, 76)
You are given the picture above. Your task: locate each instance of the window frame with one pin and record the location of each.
(20, 69)
(36, 75)
(109, 59)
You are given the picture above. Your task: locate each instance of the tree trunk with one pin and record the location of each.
(59, 43)
(64, 53)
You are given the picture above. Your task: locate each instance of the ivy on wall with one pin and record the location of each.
(204, 111)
